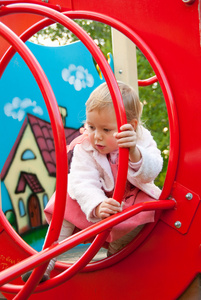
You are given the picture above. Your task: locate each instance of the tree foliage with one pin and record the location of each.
(100, 33)
(155, 116)
(154, 108)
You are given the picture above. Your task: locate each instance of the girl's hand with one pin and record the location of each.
(127, 138)
(107, 208)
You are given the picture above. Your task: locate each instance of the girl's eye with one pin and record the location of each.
(91, 127)
(107, 130)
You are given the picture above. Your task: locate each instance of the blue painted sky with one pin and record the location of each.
(72, 75)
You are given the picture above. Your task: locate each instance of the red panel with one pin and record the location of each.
(18, 23)
(169, 258)
(182, 215)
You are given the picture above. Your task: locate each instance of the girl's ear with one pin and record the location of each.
(134, 123)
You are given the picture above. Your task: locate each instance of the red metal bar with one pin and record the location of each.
(57, 126)
(121, 119)
(94, 266)
(148, 81)
(171, 108)
(24, 37)
(105, 22)
(55, 118)
(103, 64)
(55, 7)
(55, 250)
(37, 27)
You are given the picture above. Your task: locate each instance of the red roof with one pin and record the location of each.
(31, 180)
(43, 134)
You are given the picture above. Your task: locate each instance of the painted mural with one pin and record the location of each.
(27, 160)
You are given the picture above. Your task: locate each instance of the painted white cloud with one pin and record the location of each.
(78, 77)
(17, 108)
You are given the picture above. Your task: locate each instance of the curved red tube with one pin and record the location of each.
(57, 126)
(72, 241)
(121, 119)
(104, 20)
(171, 108)
(146, 82)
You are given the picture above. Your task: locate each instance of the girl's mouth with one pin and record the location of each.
(99, 146)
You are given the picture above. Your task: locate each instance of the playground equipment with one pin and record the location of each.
(164, 259)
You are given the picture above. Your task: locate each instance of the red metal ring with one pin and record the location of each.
(105, 20)
(148, 81)
(171, 108)
(119, 109)
(57, 126)
(79, 237)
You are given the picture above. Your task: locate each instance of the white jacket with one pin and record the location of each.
(91, 174)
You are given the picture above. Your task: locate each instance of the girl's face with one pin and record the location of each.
(101, 125)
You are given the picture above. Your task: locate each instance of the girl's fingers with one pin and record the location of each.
(127, 139)
(126, 127)
(125, 134)
(104, 215)
(111, 206)
(111, 209)
(112, 202)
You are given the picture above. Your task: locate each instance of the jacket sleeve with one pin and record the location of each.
(84, 184)
(152, 161)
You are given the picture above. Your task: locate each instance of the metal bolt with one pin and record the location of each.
(120, 71)
(189, 196)
(177, 224)
(188, 1)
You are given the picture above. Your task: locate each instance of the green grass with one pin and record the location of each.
(35, 237)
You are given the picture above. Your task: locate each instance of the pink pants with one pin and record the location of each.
(75, 215)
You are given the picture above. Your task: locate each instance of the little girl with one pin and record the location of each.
(94, 168)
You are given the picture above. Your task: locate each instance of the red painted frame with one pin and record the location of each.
(121, 119)
(166, 40)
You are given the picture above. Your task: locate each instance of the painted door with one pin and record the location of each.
(34, 211)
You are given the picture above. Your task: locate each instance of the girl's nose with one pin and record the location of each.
(98, 135)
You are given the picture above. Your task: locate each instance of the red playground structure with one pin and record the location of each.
(163, 260)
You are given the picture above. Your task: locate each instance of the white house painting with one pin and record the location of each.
(27, 160)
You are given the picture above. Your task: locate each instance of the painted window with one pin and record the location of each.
(28, 154)
(21, 208)
(45, 200)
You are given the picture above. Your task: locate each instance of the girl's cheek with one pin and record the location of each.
(112, 141)
(91, 138)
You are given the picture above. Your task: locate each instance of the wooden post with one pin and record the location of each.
(193, 292)
(124, 55)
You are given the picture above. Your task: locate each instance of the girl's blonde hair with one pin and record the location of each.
(100, 98)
